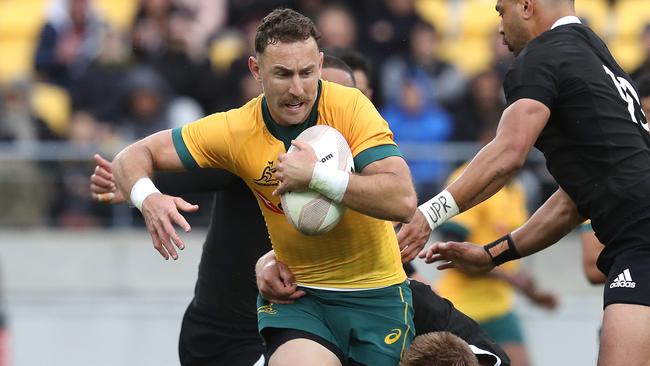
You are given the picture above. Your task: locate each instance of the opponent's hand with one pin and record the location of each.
(160, 213)
(102, 183)
(526, 283)
(294, 170)
(413, 236)
(467, 257)
(275, 281)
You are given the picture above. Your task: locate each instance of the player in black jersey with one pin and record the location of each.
(567, 96)
(220, 325)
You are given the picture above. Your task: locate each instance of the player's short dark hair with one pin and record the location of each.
(439, 349)
(644, 85)
(353, 58)
(284, 25)
(334, 62)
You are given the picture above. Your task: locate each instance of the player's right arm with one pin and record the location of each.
(552, 221)
(136, 163)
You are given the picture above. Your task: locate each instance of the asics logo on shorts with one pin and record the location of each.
(393, 336)
(623, 280)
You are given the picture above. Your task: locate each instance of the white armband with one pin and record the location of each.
(331, 183)
(141, 190)
(439, 209)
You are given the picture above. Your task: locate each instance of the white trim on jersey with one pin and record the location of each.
(479, 351)
(570, 19)
(259, 362)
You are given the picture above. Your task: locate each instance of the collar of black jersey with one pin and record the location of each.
(288, 133)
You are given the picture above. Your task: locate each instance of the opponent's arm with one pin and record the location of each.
(133, 168)
(553, 220)
(487, 173)
(382, 190)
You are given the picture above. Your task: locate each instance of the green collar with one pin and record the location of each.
(288, 133)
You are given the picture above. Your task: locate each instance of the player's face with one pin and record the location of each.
(338, 76)
(513, 31)
(289, 74)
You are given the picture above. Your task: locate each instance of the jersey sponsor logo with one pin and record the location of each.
(393, 336)
(267, 309)
(326, 158)
(268, 204)
(624, 280)
(266, 178)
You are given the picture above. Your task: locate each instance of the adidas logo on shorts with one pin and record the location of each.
(623, 280)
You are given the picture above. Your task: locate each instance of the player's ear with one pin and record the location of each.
(527, 7)
(320, 63)
(254, 67)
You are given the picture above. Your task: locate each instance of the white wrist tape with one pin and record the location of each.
(439, 209)
(331, 183)
(141, 190)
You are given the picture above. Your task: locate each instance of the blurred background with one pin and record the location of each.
(81, 283)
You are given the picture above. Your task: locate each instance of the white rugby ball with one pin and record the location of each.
(309, 211)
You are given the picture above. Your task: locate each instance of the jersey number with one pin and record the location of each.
(629, 95)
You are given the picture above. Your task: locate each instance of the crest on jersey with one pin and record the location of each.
(267, 178)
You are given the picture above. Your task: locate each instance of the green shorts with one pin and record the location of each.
(505, 329)
(372, 327)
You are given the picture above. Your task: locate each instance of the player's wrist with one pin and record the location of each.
(331, 183)
(142, 189)
(439, 209)
(502, 250)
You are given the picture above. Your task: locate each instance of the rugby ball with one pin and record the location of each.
(309, 211)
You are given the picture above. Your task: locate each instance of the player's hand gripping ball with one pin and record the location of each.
(309, 211)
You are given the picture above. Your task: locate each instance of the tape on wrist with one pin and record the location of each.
(331, 183)
(502, 250)
(439, 209)
(141, 190)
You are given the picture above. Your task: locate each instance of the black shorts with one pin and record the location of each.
(205, 341)
(628, 281)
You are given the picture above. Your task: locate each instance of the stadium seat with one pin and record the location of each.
(437, 12)
(19, 64)
(52, 104)
(118, 13)
(21, 18)
(628, 52)
(597, 15)
(478, 18)
(470, 55)
(631, 17)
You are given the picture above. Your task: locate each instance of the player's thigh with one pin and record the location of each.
(303, 351)
(625, 336)
(205, 341)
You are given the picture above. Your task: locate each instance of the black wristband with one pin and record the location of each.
(502, 250)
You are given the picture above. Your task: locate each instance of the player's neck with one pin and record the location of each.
(549, 16)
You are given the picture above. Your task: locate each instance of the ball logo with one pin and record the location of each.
(326, 158)
(393, 336)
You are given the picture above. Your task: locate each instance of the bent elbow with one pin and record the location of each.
(407, 208)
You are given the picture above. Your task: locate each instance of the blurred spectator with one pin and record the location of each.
(24, 202)
(447, 83)
(149, 28)
(145, 104)
(644, 67)
(360, 66)
(337, 27)
(644, 94)
(98, 89)
(68, 42)
(481, 108)
(414, 118)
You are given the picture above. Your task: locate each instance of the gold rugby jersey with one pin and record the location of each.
(361, 251)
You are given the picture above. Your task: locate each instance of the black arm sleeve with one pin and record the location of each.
(194, 181)
(434, 314)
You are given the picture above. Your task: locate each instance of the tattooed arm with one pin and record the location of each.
(498, 161)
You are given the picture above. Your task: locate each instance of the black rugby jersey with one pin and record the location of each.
(596, 142)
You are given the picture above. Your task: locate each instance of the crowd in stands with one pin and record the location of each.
(103, 73)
